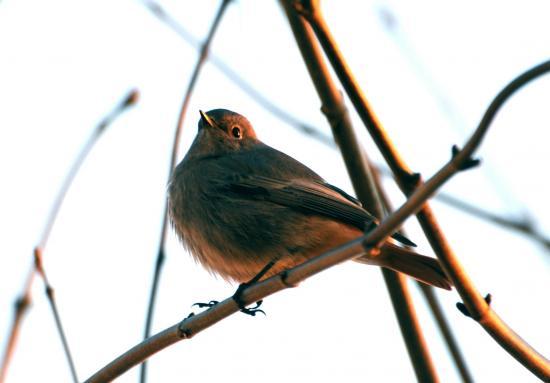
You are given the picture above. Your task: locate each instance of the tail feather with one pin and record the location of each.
(420, 267)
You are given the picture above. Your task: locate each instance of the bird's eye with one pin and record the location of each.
(236, 132)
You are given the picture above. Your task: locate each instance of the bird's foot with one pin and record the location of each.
(237, 297)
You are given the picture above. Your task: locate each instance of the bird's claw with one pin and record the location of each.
(239, 301)
(203, 304)
(253, 310)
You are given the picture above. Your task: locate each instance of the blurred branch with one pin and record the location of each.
(523, 226)
(161, 252)
(24, 300)
(446, 105)
(461, 160)
(365, 186)
(368, 244)
(234, 77)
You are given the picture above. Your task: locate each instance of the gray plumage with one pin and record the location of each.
(236, 204)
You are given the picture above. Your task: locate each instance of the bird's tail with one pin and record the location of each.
(420, 267)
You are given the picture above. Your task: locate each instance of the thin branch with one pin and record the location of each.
(445, 328)
(24, 300)
(164, 230)
(474, 303)
(50, 294)
(522, 226)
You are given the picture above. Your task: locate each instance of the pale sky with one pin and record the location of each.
(65, 64)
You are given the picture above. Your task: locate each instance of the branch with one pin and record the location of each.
(357, 164)
(24, 300)
(461, 160)
(435, 308)
(161, 254)
(522, 225)
(194, 324)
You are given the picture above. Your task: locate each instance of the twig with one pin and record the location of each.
(161, 253)
(473, 301)
(523, 225)
(359, 170)
(24, 300)
(50, 294)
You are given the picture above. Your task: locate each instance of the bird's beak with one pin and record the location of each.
(206, 120)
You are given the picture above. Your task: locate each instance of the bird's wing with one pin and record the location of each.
(309, 197)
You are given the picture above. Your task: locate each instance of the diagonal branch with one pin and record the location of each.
(24, 300)
(164, 230)
(474, 303)
(194, 324)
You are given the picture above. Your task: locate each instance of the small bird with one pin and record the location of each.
(238, 204)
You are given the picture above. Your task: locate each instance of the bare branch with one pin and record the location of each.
(461, 160)
(24, 300)
(161, 253)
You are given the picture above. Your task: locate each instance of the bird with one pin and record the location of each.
(238, 204)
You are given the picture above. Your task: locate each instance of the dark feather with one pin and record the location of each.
(309, 197)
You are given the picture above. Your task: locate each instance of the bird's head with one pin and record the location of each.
(222, 131)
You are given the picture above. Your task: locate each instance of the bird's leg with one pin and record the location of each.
(237, 297)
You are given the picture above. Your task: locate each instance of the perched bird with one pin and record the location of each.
(237, 204)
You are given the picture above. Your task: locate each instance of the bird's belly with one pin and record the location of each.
(238, 248)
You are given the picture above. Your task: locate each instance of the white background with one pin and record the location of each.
(65, 64)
